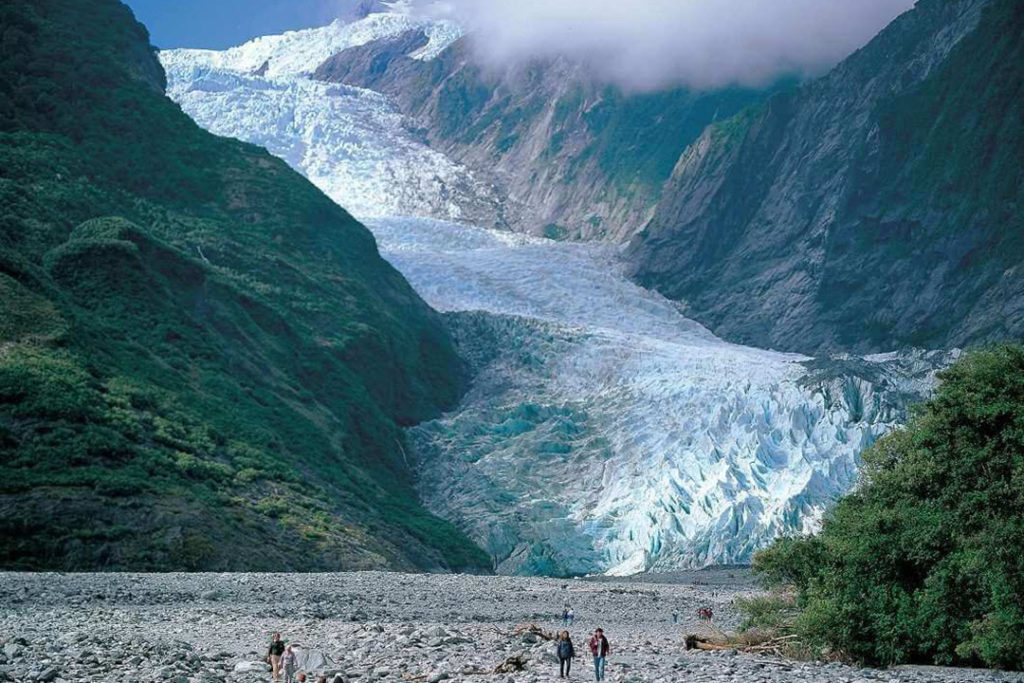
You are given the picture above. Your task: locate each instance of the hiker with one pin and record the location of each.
(289, 664)
(675, 616)
(565, 651)
(600, 649)
(274, 653)
(570, 615)
(565, 617)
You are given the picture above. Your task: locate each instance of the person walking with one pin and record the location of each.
(289, 663)
(600, 649)
(274, 653)
(570, 616)
(565, 652)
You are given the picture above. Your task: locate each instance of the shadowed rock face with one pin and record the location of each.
(875, 208)
(573, 157)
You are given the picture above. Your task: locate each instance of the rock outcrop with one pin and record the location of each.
(878, 207)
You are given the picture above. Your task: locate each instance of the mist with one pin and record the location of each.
(649, 44)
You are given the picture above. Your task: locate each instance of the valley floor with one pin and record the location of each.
(203, 628)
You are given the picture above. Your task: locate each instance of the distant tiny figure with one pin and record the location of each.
(705, 614)
(565, 652)
(565, 617)
(675, 617)
(600, 648)
(570, 615)
(289, 663)
(274, 653)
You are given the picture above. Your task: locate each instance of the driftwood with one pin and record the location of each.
(775, 645)
(509, 665)
(523, 629)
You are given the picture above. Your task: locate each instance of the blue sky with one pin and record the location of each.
(223, 23)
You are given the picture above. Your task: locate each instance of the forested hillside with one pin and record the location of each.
(204, 362)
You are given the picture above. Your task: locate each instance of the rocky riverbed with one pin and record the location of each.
(212, 628)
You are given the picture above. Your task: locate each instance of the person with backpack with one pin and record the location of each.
(600, 648)
(274, 653)
(565, 652)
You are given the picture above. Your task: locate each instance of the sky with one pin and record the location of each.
(637, 44)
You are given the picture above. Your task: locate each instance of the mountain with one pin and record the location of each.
(204, 361)
(878, 207)
(571, 155)
(603, 431)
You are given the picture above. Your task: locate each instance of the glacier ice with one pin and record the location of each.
(604, 431)
(350, 141)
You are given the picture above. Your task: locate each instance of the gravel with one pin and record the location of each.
(372, 626)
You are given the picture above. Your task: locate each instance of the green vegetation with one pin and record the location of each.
(924, 562)
(204, 362)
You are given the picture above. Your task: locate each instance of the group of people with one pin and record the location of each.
(599, 650)
(567, 616)
(705, 614)
(283, 659)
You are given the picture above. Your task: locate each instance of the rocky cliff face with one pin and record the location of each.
(571, 157)
(877, 207)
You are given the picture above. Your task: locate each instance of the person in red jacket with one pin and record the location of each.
(600, 649)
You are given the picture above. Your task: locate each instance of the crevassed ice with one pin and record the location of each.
(350, 141)
(604, 430)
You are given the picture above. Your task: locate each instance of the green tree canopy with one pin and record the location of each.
(924, 562)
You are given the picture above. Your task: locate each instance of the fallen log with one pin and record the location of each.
(523, 629)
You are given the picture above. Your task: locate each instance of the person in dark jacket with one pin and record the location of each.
(600, 648)
(274, 653)
(565, 651)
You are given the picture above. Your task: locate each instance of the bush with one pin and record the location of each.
(925, 561)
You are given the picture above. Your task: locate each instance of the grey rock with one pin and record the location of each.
(805, 226)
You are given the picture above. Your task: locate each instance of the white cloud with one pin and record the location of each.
(646, 44)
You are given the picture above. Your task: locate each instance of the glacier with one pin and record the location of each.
(604, 431)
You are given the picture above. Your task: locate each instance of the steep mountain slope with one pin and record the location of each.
(204, 362)
(575, 157)
(875, 208)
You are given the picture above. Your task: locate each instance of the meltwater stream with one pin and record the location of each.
(604, 431)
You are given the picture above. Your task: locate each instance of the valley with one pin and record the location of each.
(604, 431)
